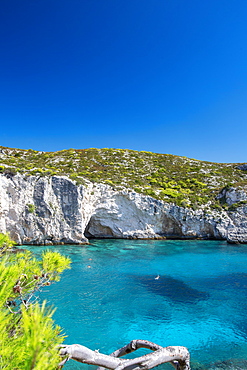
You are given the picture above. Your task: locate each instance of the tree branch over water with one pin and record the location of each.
(178, 356)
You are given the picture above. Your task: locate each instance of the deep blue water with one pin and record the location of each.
(199, 300)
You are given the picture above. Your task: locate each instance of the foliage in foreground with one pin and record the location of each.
(29, 338)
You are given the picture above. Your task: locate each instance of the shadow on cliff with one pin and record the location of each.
(171, 288)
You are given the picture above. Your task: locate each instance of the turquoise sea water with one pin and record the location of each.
(199, 300)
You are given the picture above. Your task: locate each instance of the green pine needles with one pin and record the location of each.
(29, 338)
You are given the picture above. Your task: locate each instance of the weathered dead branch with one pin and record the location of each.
(178, 356)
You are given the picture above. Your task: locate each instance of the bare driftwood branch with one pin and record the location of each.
(178, 356)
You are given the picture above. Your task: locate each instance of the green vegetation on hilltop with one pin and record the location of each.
(183, 181)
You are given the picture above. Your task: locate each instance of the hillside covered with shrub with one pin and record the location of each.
(180, 180)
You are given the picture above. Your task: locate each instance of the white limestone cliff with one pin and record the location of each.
(54, 210)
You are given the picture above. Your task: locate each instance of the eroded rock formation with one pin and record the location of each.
(54, 210)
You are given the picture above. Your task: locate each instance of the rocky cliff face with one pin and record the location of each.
(54, 210)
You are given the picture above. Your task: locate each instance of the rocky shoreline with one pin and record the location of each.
(55, 210)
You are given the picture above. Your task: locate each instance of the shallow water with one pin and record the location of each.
(199, 300)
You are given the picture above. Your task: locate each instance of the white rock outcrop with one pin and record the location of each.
(54, 210)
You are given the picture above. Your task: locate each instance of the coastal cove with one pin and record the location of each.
(112, 295)
(70, 196)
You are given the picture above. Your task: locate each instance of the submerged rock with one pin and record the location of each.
(233, 364)
(174, 289)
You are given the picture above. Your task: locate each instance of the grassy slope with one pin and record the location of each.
(183, 181)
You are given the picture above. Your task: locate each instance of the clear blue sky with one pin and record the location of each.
(168, 76)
